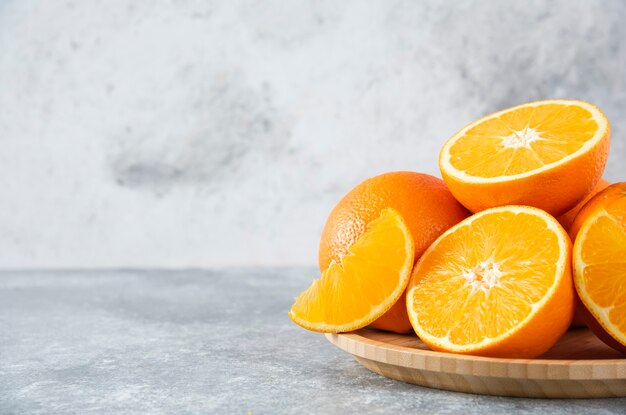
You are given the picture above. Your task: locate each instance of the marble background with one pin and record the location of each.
(206, 133)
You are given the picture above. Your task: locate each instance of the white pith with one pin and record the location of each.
(483, 277)
(521, 138)
(444, 342)
(597, 116)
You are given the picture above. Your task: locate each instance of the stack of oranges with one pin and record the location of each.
(520, 239)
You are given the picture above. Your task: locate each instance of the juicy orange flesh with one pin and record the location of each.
(561, 129)
(526, 253)
(604, 255)
(378, 265)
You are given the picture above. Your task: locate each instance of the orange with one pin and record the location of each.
(424, 202)
(599, 259)
(365, 282)
(607, 196)
(497, 284)
(547, 154)
(567, 218)
(566, 221)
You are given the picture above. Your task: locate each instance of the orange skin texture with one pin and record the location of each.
(566, 221)
(426, 205)
(567, 218)
(606, 197)
(395, 319)
(555, 190)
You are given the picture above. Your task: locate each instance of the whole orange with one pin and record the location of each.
(426, 205)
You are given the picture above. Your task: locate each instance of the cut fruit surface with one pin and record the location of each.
(566, 220)
(426, 205)
(364, 284)
(600, 263)
(547, 154)
(497, 284)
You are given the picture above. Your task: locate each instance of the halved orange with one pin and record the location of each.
(497, 284)
(599, 259)
(546, 154)
(566, 220)
(366, 282)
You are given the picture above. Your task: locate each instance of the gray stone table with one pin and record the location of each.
(216, 342)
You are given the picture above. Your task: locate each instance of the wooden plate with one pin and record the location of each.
(578, 366)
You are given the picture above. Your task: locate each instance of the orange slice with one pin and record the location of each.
(600, 263)
(547, 154)
(365, 284)
(497, 284)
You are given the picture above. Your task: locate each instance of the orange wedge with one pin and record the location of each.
(497, 284)
(546, 154)
(599, 259)
(426, 205)
(364, 284)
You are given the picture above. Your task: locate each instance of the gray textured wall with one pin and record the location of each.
(195, 133)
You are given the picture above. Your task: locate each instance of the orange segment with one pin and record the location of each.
(496, 284)
(600, 263)
(364, 284)
(426, 205)
(547, 154)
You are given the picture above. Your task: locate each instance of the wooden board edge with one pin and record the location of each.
(440, 362)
